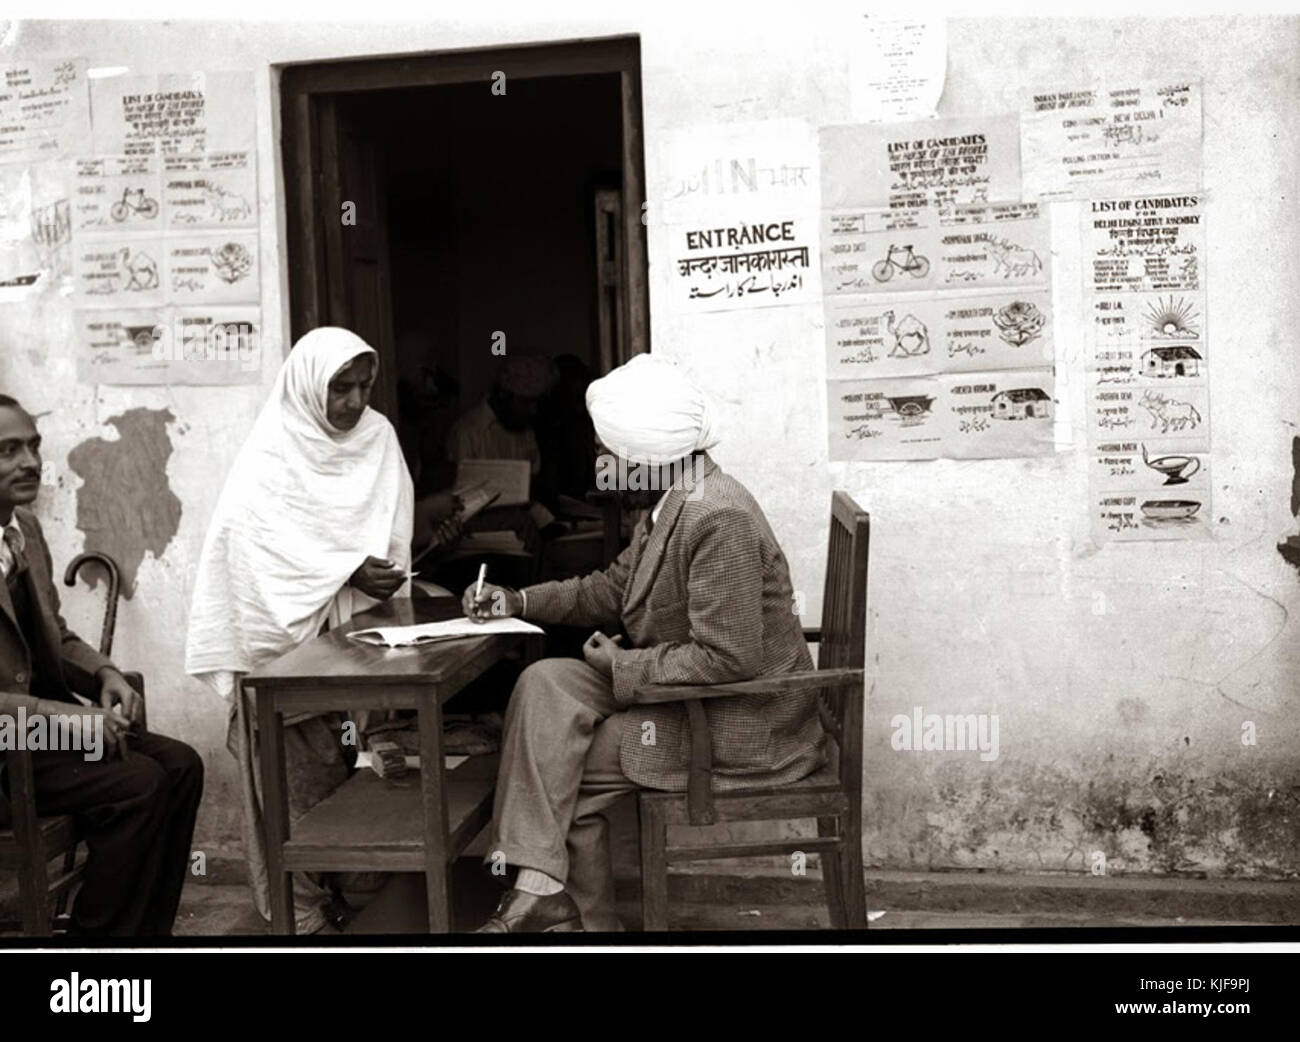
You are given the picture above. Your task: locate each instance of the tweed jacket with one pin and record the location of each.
(76, 661)
(705, 598)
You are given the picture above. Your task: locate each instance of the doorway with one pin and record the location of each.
(451, 205)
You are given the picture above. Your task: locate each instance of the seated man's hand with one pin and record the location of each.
(600, 652)
(116, 728)
(114, 691)
(494, 602)
(377, 578)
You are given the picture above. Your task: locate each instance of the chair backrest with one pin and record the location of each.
(844, 629)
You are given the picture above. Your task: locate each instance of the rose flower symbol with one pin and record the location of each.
(1020, 322)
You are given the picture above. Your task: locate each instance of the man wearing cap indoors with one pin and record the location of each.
(703, 596)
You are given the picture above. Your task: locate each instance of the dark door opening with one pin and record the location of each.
(478, 219)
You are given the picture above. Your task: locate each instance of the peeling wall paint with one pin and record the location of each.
(125, 507)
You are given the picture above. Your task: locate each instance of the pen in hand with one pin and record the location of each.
(475, 596)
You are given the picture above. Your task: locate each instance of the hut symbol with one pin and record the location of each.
(1022, 403)
(1171, 361)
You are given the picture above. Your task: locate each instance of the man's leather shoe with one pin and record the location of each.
(519, 912)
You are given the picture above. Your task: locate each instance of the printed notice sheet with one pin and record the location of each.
(897, 69)
(911, 166)
(1147, 387)
(44, 109)
(181, 113)
(958, 415)
(756, 263)
(736, 207)
(939, 335)
(966, 247)
(1138, 138)
(165, 345)
(166, 221)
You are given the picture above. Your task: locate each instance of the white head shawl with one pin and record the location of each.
(650, 412)
(303, 506)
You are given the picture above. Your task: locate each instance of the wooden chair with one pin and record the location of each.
(29, 843)
(832, 795)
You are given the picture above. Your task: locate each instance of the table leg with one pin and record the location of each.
(275, 810)
(437, 883)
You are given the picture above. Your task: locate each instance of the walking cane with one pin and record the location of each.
(110, 606)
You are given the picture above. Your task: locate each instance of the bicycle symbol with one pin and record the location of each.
(142, 205)
(904, 259)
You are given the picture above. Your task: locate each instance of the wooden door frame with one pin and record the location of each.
(304, 88)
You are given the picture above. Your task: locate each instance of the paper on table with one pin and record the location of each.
(434, 632)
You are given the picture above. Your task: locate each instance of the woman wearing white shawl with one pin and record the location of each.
(314, 524)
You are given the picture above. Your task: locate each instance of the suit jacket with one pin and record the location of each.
(76, 662)
(706, 599)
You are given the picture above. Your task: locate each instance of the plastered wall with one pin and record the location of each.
(1122, 676)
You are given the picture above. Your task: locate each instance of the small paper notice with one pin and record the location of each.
(898, 69)
(434, 632)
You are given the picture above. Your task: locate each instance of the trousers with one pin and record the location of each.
(558, 778)
(137, 816)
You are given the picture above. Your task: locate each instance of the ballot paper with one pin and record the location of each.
(435, 632)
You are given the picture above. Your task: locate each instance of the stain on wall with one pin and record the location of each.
(1149, 815)
(125, 507)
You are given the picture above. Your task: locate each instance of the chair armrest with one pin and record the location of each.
(779, 684)
(136, 680)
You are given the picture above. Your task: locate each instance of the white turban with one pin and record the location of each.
(650, 412)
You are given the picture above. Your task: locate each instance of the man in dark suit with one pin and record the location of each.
(703, 596)
(135, 801)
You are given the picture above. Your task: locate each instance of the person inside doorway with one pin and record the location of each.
(501, 426)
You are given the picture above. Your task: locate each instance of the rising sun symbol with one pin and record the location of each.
(1173, 317)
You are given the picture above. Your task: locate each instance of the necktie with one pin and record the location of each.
(17, 560)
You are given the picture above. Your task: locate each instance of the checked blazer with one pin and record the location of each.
(705, 598)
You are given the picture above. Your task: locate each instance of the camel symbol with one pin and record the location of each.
(141, 269)
(910, 336)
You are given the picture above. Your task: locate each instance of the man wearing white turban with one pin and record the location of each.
(701, 596)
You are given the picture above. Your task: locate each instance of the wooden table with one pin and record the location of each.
(368, 823)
